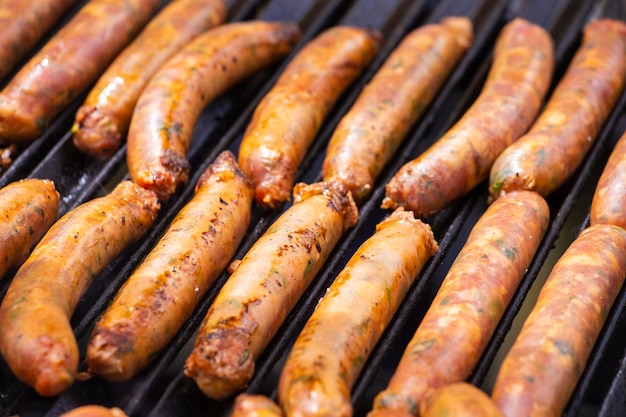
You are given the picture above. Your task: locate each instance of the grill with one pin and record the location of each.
(162, 390)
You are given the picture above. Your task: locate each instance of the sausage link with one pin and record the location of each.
(23, 24)
(458, 400)
(470, 302)
(318, 376)
(542, 368)
(547, 156)
(7, 154)
(37, 340)
(164, 290)
(162, 125)
(515, 87)
(250, 405)
(102, 121)
(67, 64)
(609, 200)
(27, 209)
(288, 118)
(94, 411)
(265, 286)
(371, 132)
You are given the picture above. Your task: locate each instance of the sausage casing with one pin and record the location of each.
(371, 132)
(609, 200)
(265, 286)
(67, 64)
(548, 155)
(254, 405)
(318, 376)
(459, 399)
(470, 302)
(163, 291)
(543, 366)
(27, 208)
(37, 340)
(286, 121)
(162, 125)
(94, 411)
(516, 85)
(102, 121)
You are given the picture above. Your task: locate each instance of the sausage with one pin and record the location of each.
(254, 405)
(7, 154)
(102, 121)
(286, 121)
(516, 85)
(609, 199)
(67, 64)
(162, 125)
(548, 155)
(318, 376)
(543, 366)
(371, 132)
(27, 208)
(470, 302)
(458, 400)
(94, 411)
(37, 340)
(265, 286)
(24, 23)
(164, 290)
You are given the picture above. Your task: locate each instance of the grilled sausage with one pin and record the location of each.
(318, 376)
(286, 121)
(164, 290)
(165, 116)
(458, 400)
(371, 132)
(94, 411)
(555, 146)
(7, 154)
(609, 200)
(265, 286)
(470, 302)
(102, 121)
(508, 103)
(249, 405)
(37, 341)
(67, 64)
(542, 368)
(27, 209)
(23, 24)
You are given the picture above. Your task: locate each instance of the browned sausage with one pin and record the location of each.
(27, 210)
(67, 64)
(265, 286)
(371, 132)
(102, 121)
(23, 24)
(37, 340)
(318, 376)
(547, 156)
(517, 82)
(94, 411)
(470, 302)
(250, 405)
(458, 400)
(286, 121)
(542, 368)
(7, 154)
(164, 290)
(165, 116)
(609, 200)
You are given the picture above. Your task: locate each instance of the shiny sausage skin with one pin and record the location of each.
(23, 24)
(458, 400)
(371, 132)
(37, 340)
(508, 103)
(165, 116)
(67, 64)
(94, 411)
(318, 376)
(163, 291)
(288, 118)
(542, 368)
(609, 200)
(102, 121)
(470, 302)
(548, 155)
(251, 405)
(265, 286)
(27, 210)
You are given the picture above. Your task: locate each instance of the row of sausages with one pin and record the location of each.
(265, 285)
